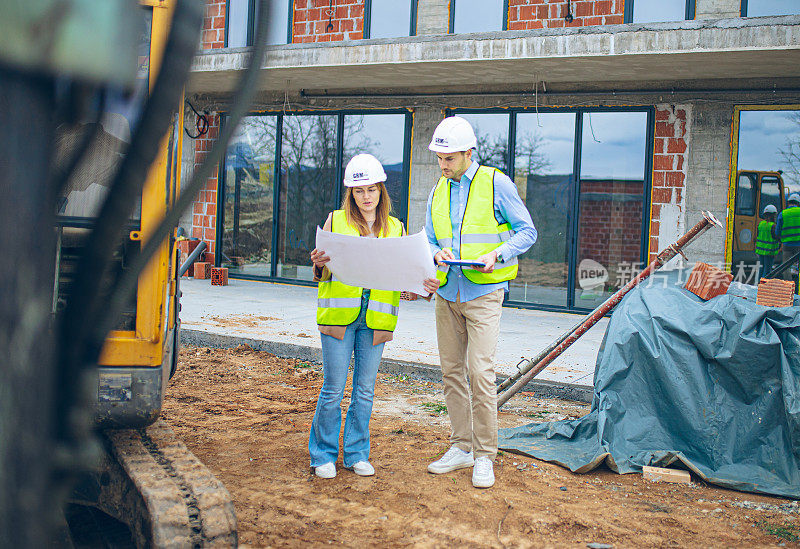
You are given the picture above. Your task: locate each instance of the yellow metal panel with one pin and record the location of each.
(144, 347)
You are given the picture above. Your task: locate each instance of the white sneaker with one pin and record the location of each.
(483, 473)
(327, 470)
(363, 469)
(454, 458)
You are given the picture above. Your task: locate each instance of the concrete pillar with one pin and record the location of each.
(424, 168)
(433, 17)
(717, 9)
(708, 177)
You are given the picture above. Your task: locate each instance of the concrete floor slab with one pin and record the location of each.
(286, 314)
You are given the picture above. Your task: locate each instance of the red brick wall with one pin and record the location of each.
(670, 150)
(610, 229)
(204, 213)
(214, 25)
(537, 14)
(310, 21)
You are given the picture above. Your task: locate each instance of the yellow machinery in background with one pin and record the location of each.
(149, 487)
(754, 191)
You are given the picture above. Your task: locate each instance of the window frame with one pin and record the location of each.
(689, 11)
(452, 17)
(368, 19)
(251, 24)
(400, 213)
(743, 11)
(572, 237)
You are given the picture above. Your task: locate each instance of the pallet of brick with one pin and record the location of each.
(707, 281)
(202, 270)
(186, 247)
(219, 276)
(775, 293)
(660, 474)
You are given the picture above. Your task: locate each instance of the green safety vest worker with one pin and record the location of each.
(338, 304)
(790, 226)
(766, 244)
(480, 231)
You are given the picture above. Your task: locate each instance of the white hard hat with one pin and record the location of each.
(769, 209)
(794, 197)
(453, 134)
(363, 169)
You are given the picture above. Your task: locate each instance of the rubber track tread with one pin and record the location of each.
(186, 505)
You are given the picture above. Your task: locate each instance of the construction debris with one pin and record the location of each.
(775, 293)
(660, 474)
(706, 281)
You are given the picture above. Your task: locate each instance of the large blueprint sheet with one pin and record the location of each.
(395, 264)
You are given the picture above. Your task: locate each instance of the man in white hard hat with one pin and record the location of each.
(474, 213)
(787, 228)
(767, 245)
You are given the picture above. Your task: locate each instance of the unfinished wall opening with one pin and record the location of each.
(765, 170)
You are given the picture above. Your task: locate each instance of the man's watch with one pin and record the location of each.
(498, 257)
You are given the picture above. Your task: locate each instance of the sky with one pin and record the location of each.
(762, 134)
(613, 144)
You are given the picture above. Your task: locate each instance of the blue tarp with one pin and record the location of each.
(713, 385)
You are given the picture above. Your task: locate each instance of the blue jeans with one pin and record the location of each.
(323, 443)
(765, 262)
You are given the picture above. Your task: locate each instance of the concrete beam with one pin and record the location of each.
(700, 50)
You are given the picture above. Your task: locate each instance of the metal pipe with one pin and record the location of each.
(536, 365)
(192, 256)
(783, 266)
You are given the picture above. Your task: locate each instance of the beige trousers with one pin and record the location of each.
(467, 334)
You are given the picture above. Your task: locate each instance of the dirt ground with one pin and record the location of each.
(246, 414)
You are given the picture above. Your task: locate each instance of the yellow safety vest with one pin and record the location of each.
(480, 231)
(339, 304)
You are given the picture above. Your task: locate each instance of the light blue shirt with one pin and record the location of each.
(508, 207)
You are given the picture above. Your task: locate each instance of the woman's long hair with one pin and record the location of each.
(354, 217)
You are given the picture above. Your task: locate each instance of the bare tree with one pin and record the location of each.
(492, 150)
(791, 151)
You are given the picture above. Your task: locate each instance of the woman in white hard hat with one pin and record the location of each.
(352, 321)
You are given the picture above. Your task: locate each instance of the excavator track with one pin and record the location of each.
(150, 481)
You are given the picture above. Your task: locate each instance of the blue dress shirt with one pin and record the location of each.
(508, 207)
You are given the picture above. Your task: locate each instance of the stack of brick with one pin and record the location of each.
(775, 293)
(707, 281)
(186, 247)
(202, 270)
(219, 276)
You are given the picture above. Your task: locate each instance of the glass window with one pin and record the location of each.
(241, 28)
(308, 189)
(491, 131)
(390, 19)
(248, 201)
(238, 23)
(760, 8)
(745, 200)
(611, 198)
(544, 154)
(477, 15)
(654, 11)
(383, 136)
(770, 193)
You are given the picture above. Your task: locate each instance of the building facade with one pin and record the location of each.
(619, 120)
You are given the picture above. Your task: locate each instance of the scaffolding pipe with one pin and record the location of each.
(532, 367)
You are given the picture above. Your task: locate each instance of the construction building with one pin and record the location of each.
(619, 120)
